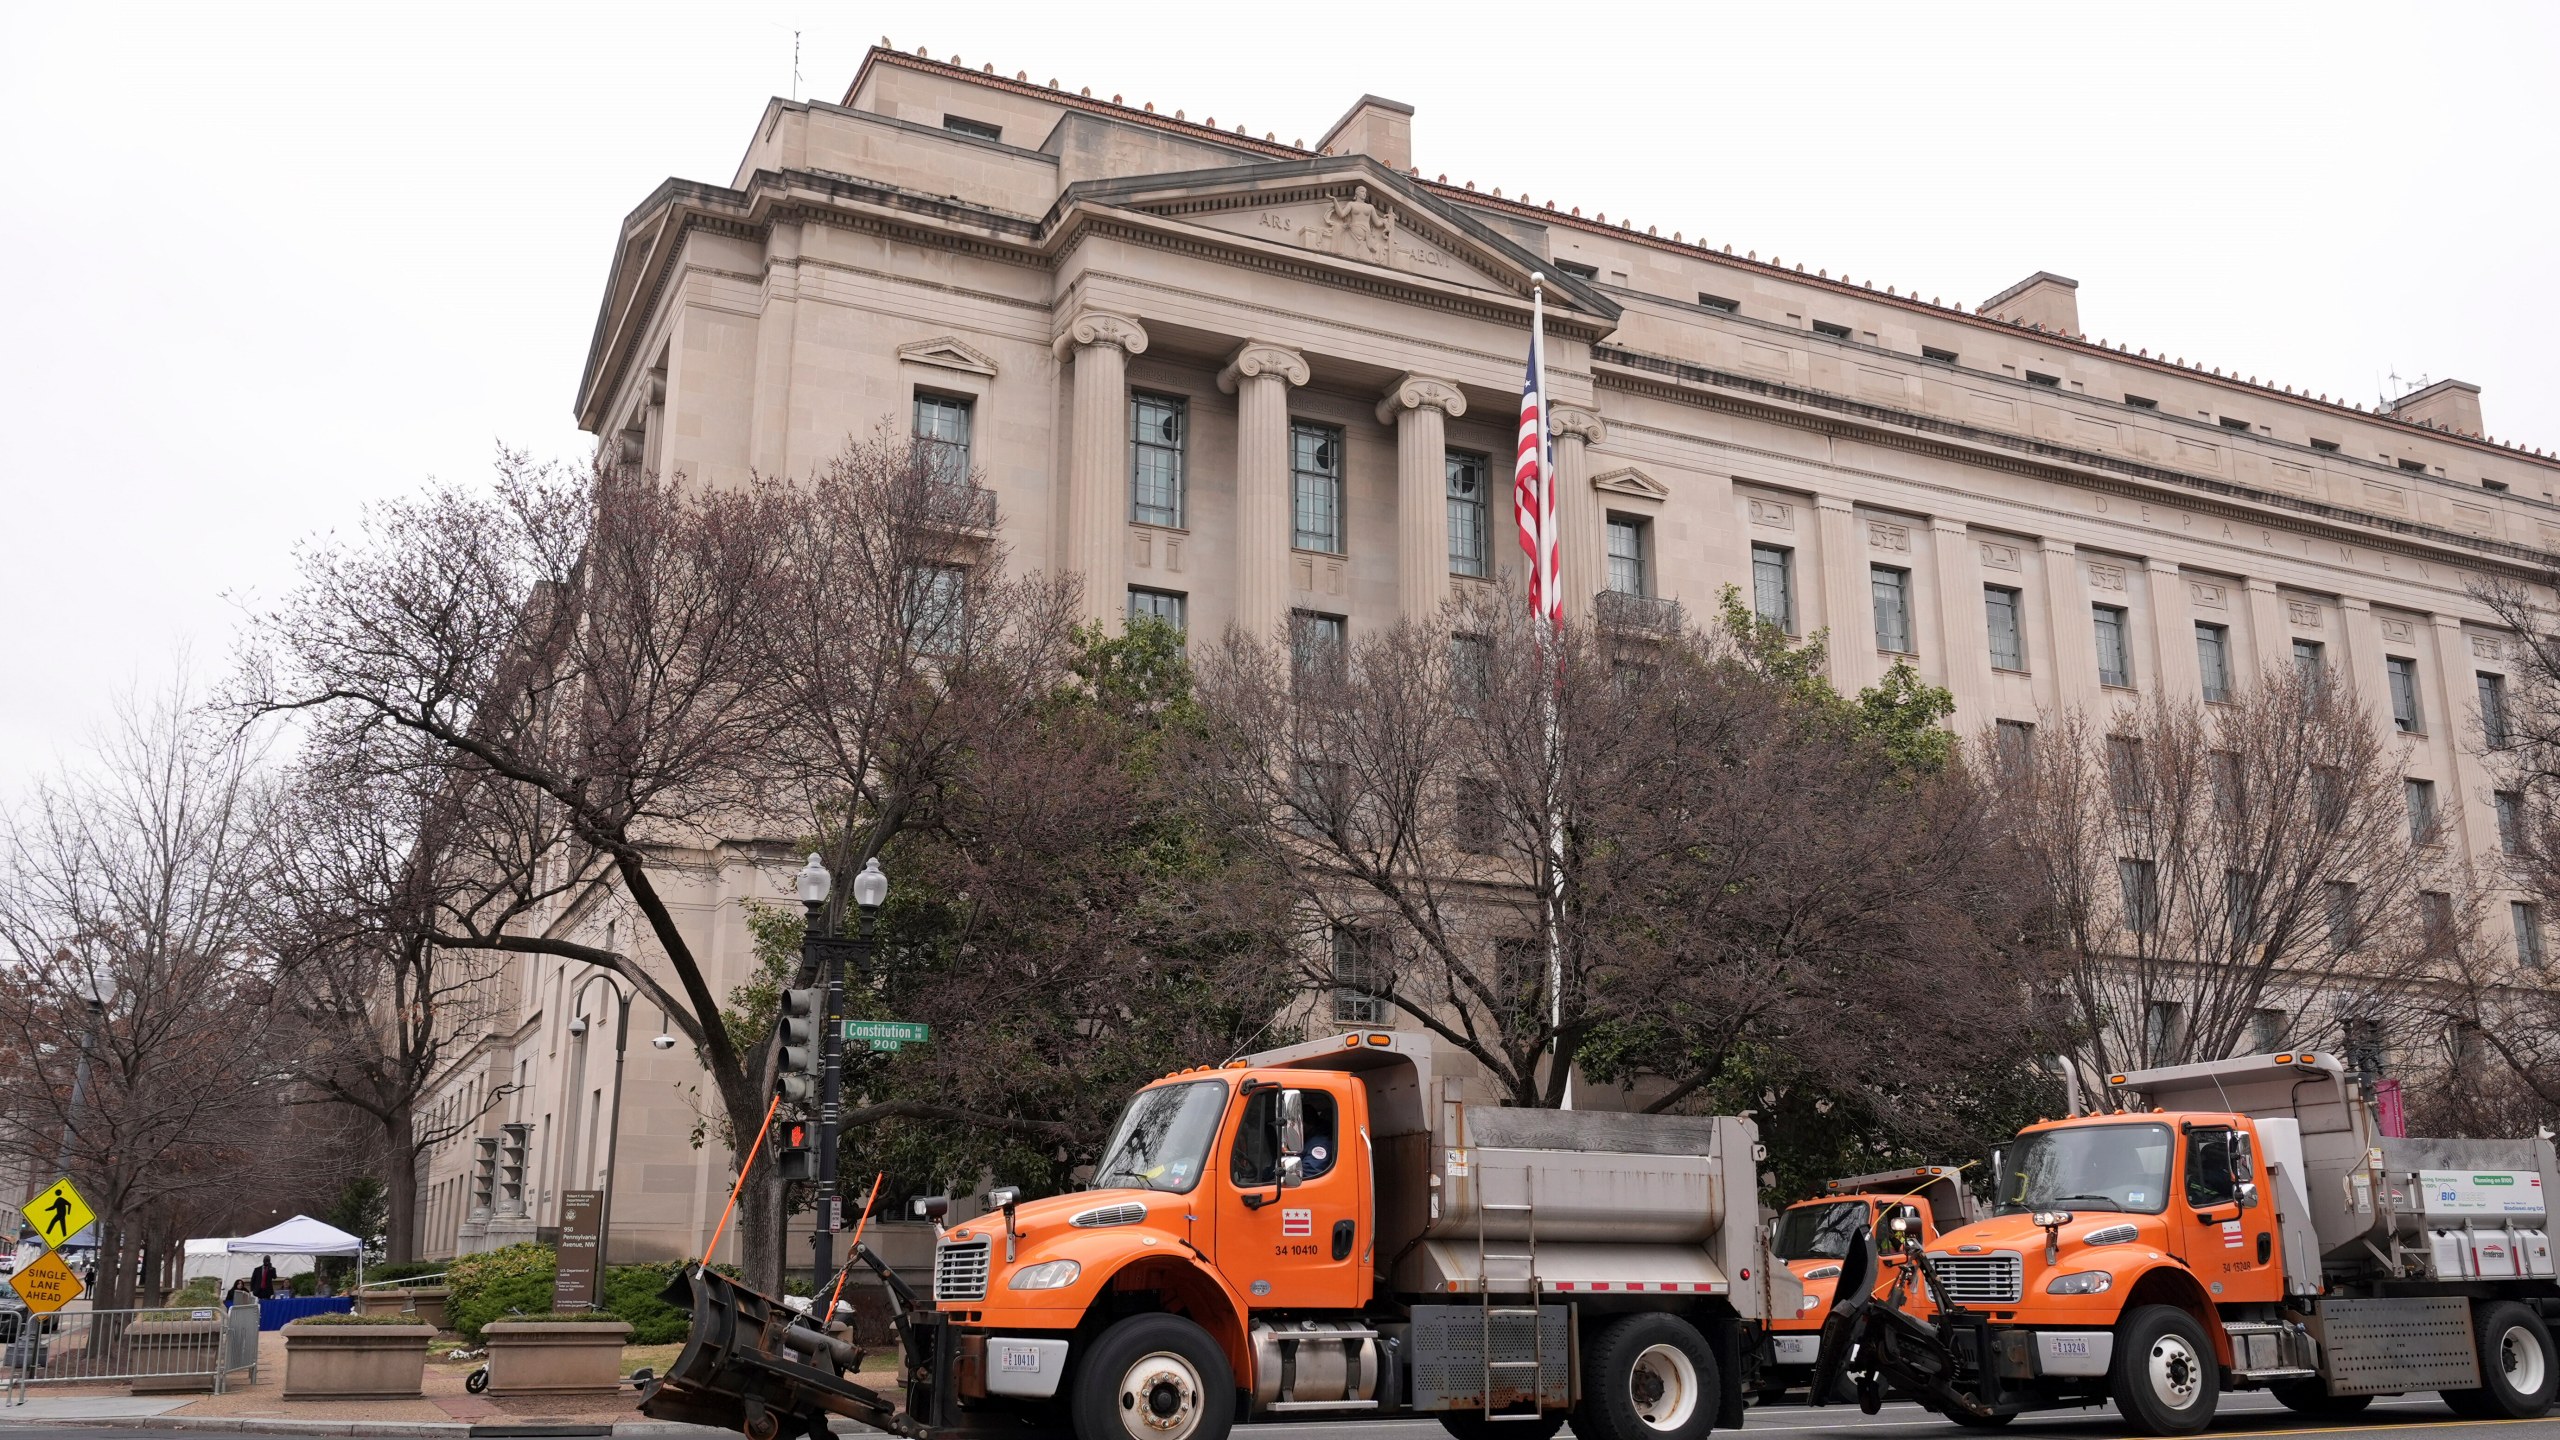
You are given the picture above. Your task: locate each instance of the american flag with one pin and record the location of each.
(1533, 490)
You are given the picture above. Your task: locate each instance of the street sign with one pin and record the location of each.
(887, 1034)
(58, 1213)
(573, 1285)
(47, 1285)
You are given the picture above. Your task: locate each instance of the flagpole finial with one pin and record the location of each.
(1537, 278)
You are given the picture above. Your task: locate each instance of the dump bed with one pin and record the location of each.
(1605, 1201)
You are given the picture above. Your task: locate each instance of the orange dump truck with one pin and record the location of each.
(2235, 1225)
(1811, 1237)
(1346, 1229)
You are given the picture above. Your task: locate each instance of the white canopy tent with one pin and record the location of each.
(301, 1235)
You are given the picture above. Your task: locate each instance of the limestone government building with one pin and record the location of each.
(1232, 377)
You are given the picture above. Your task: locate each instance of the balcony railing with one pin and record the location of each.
(1619, 610)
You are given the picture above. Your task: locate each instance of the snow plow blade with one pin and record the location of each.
(756, 1366)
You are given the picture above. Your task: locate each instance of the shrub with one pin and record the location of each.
(495, 1284)
(562, 1317)
(307, 1283)
(202, 1290)
(631, 1293)
(349, 1317)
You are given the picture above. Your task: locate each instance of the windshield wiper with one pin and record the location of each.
(2093, 1202)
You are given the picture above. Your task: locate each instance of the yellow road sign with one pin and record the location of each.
(47, 1285)
(58, 1213)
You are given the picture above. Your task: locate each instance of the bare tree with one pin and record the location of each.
(2203, 866)
(128, 912)
(1732, 868)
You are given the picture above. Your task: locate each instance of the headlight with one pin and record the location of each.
(2079, 1282)
(1823, 1272)
(1048, 1275)
(2111, 1235)
(1810, 1302)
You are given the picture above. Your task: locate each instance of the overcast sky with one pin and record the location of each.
(273, 263)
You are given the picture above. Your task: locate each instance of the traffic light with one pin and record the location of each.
(795, 1159)
(804, 1054)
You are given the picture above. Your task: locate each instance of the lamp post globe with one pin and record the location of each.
(814, 882)
(870, 888)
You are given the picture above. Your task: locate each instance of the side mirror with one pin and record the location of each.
(2248, 1191)
(1290, 1118)
(1292, 1171)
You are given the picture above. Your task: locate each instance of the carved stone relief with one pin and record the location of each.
(1997, 556)
(2396, 629)
(2209, 595)
(2105, 577)
(1776, 514)
(2303, 614)
(1882, 535)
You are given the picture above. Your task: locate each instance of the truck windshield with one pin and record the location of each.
(2089, 1167)
(1162, 1140)
(1819, 1232)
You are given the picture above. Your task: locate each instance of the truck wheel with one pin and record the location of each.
(2312, 1398)
(2517, 1375)
(2166, 1378)
(1472, 1425)
(1648, 1377)
(1154, 1377)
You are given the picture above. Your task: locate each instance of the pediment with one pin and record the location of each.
(1356, 225)
(1633, 482)
(949, 352)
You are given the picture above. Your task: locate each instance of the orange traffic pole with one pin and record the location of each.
(732, 1206)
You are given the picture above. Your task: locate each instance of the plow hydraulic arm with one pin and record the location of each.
(756, 1366)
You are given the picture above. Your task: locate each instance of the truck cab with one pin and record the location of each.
(1811, 1237)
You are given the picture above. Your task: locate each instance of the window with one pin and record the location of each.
(974, 129)
(2328, 798)
(1718, 302)
(2240, 898)
(2266, 1031)
(2213, 659)
(2127, 781)
(1321, 797)
(2233, 422)
(1892, 591)
(2404, 692)
(2230, 786)
(2013, 749)
(2307, 664)
(1577, 269)
(2162, 1022)
(1254, 1159)
(1475, 819)
(1626, 556)
(1773, 586)
(2346, 914)
(1469, 552)
(2488, 484)
(2140, 880)
(1315, 486)
(2049, 381)
(1470, 672)
(2528, 922)
(1932, 352)
(1825, 327)
(2493, 709)
(1316, 646)
(2435, 918)
(2510, 807)
(942, 423)
(1359, 976)
(2415, 467)
(2000, 614)
(1165, 605)
(1155, 459)
(2329, 446)
(2115, 650)
(2209, 1179)
(937, 607)
(2142, 402)
(2421, 796)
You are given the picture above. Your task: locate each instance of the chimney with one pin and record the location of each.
(1379, 129)
(2043, 298)
(2447, 404)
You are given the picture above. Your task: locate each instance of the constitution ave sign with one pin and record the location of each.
(887, 1034)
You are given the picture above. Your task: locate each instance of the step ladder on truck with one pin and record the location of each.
(1350, 1228)
(2237, 1224)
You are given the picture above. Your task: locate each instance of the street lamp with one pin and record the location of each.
(818, 942)
(613, 1136)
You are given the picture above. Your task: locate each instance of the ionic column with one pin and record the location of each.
(1848, 594)
(1963, 628)
(1098, 457)
(1420, 409)
(1259, 376)
(2173, 629)
(1582, 552)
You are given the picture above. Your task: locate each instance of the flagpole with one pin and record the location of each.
(1549, 627)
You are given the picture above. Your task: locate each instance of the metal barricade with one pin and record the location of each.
(161, 1348)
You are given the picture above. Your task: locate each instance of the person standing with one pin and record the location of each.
(262, 1281)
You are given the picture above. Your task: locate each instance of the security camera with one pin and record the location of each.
(664, 1042)
(578, 1026)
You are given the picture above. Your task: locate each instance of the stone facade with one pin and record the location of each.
(1226, 376)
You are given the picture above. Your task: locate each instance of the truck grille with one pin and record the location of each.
(1980, 1279)
(960, 1271)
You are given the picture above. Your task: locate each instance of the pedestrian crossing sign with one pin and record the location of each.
(58, 1213)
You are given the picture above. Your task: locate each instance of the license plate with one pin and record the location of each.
(1018, 1357)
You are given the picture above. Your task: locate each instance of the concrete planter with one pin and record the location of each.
(173, 1357)
(565, 1357)
(355, 1362)
(426, 1302)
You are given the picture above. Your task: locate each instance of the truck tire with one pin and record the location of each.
(2517, 1373)
(2311, 1398)
(1154, 1377)
(2166, 1378)
(1648, 1377)
(1472, 1425)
